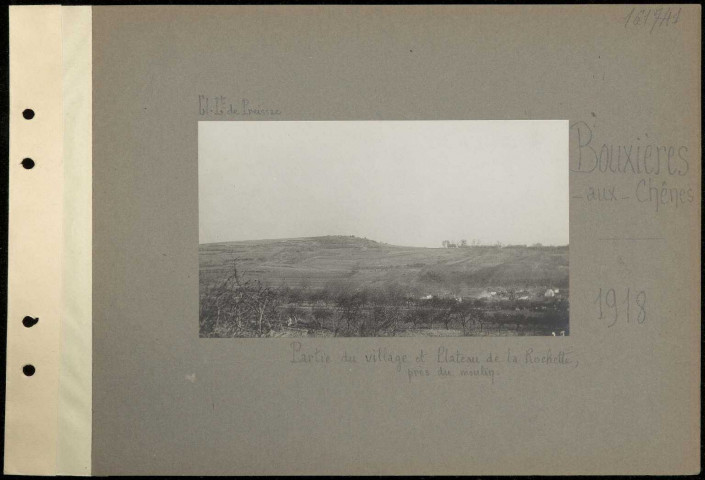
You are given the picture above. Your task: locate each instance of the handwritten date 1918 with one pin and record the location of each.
(615, 304)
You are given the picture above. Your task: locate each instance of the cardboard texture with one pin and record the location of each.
(632, 405)
(626, 77)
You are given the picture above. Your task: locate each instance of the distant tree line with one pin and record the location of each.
(477, 243)
(464, 244)
(448, 244)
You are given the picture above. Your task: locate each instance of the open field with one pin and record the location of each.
(349, 286)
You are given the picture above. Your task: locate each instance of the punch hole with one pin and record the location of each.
(28, 163)
(28, 370)
(28, 114)
(29, 321)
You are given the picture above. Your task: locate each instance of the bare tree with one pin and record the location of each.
(235, 306)
(263, 302)
(350, 305)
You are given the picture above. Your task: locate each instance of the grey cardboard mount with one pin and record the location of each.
(168, 402)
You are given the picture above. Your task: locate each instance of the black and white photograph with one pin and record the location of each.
(383, 228)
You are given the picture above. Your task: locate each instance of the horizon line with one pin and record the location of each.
(527, 245)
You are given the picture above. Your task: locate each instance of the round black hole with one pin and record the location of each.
(28, 114)
(28, 163)
(28, 370)
(29, 321)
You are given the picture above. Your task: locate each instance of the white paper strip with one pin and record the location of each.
(48, 414)
(35, 239)
(74, 434)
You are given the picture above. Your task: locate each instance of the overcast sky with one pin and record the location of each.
(412, 183)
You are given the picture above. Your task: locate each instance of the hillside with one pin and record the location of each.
(318, 262)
